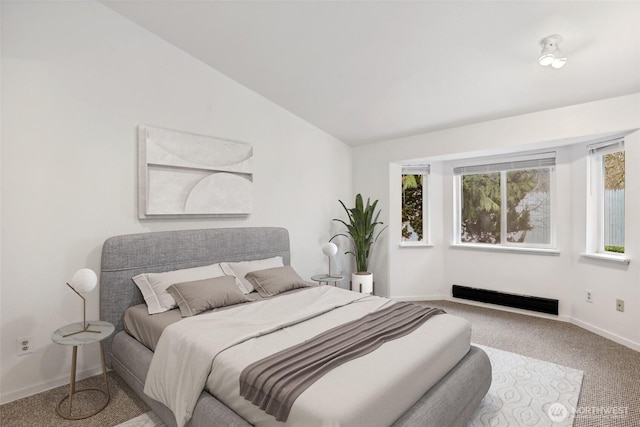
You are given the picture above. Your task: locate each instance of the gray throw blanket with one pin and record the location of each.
(275, 382)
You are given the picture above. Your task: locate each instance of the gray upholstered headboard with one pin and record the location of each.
(124, 257)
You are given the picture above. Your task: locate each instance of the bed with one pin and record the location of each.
(450, 401)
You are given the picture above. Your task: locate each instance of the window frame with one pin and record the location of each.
(595, 230)
(425, 171)
(503, 165)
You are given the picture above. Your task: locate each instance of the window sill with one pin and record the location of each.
(415, 245)
(508, 249)
(621, 259)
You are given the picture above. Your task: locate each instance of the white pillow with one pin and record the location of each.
(154, 285)
(241, 269)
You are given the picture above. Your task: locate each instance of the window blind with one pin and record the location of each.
(541, 160)
(416, 170)
(607, 147)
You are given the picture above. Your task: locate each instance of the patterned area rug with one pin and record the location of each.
(524, 392)
(528, 392)
(145, 420)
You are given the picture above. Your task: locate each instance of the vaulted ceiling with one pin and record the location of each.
(365, 71)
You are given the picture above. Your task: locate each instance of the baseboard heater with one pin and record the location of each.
(525, 302)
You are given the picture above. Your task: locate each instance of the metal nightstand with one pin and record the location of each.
(325, 278)
(66, 336)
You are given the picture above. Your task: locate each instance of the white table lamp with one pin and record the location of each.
(329, 249)
(84, 280)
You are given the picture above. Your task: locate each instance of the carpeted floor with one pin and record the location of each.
(39, 410)
(610, 393)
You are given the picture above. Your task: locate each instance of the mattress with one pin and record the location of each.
(146, 327)
(358, 392)
(373, 390)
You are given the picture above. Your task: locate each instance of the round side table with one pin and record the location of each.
(325, 278)
(76, 334)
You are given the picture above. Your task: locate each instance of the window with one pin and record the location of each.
(414, 205)
(606, 198)
(506, 203)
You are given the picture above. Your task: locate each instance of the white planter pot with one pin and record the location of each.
(362, 282)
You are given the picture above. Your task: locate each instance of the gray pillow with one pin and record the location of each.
(272, 281)
(202, 295)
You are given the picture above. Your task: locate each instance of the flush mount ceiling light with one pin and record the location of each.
(551, 54)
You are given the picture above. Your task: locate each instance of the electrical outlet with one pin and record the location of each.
(589, 295)
(620, 304)
(23, 346)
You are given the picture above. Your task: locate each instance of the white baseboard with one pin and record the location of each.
(48, 385)
(563, 318)
(560, 317)
(606, 334)
(418, 298)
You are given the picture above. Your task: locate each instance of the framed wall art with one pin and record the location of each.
(181, 173)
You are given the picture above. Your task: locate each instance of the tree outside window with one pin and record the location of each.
(412, 208)
(613, 201)
(415, 222)
(529, 206)
(481, 204)
(506, 207)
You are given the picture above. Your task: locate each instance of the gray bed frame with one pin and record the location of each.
(451, 402)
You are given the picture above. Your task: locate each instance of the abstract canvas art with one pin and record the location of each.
(181, 173)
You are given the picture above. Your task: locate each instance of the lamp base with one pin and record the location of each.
(85, 329)
(84, 316)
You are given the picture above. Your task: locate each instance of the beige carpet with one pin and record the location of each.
(610, 393)
(40, 410)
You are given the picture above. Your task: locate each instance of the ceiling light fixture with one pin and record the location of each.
(551, 53)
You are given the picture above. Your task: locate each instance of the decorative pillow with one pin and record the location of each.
(207, 294)
(154, 285)
(240, 269)
(272, 281)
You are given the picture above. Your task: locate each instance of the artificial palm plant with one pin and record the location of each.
(361, 228)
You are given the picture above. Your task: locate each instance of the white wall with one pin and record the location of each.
(77, 79)
(608, 281)
(417, 269)
(416, 273)
(527, 274)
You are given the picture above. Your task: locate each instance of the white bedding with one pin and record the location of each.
(372, 390)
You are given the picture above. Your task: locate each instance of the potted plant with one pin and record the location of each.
(361, 228)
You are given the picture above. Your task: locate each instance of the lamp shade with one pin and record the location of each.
(329, 249)
(559, 60)
(546, 59)
(84, 280)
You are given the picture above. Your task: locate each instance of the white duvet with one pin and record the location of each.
(209, 351)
